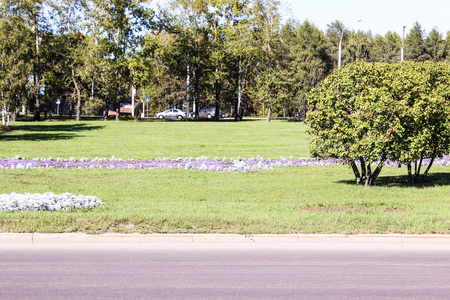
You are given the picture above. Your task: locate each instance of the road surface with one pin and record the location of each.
(224, 271)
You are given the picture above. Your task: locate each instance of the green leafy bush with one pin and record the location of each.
(370, 113)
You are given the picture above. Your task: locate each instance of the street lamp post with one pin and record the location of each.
(340, 50)
(133, 93)
(403, 44)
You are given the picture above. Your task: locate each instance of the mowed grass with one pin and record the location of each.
(150, 139)
(283, 200)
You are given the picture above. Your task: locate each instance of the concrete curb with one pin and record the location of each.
(83, 238)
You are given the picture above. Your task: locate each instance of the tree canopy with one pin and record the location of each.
(241, 56)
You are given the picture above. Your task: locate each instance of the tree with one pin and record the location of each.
(118, 24)
(415, 45)
(191, 29)
(35, 15)
(54, 54)
(267, 20)
(156, 71)
(16, 49)
(424, 127)
(228, 22)
(359, 45)
(446, 50)
(386, 49)
(367, 114)
(344, 122)
(70, 21)
(434, 45)
(240, 52)
(309, 61)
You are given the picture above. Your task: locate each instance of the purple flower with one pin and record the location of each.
(201, 163)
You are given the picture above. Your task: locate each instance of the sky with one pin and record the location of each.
(378, 16)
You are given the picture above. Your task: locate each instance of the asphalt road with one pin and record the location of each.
(224, 271)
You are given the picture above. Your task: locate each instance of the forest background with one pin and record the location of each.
(238, 56)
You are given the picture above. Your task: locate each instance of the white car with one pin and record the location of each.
(172, 113)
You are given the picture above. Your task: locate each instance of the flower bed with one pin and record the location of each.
(48, 201)
(200, 163)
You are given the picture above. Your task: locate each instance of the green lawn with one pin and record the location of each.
(151, 139)
(283, 200)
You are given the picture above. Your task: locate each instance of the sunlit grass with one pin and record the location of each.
(150, 140)
(282, 200)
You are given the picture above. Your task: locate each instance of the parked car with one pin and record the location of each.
(172, 113)
(209, 112)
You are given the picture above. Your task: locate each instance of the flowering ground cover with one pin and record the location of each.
(48, 201)
(200, 163)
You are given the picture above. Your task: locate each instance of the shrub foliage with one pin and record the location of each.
(368, 114)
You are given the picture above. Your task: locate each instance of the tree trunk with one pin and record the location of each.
(363, 170)
(376, 172)
(78, 114)
(417, 170)
(195, 92)
(241, 113)
(410, 178)
(137, 111)
(13, 115)
(37, 114)
(218, 90)
(356, 172)
(238, 108)
(368, 180)
(236, 112)
(105, 112)
(269, 114)
(427, 169)
(217, 110)
(366, 177)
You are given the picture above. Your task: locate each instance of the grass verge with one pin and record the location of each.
(284, 200)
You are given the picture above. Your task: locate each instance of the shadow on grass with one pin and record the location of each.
(38, 137)
(46, 132)
(54, 127)
(433, 179)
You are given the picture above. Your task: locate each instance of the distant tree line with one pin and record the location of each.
(238, 55)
